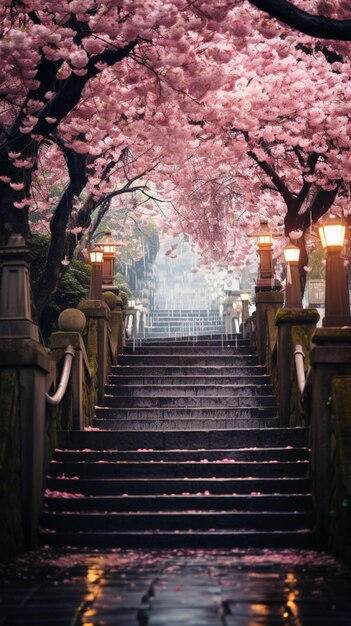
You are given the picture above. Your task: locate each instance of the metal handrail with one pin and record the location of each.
(299, 356)
(66, 371)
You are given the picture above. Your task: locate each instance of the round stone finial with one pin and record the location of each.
(72, 320)
(110, 299)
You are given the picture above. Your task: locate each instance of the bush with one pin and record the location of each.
(73, 287)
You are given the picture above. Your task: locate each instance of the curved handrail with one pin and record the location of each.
(299, 356)
(66, 371)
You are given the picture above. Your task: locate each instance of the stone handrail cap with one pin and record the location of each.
(110, 298)
(72, 320)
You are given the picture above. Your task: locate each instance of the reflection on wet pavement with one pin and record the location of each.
(174, 588)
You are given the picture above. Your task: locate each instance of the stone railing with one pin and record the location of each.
(95, 331)
(296, 352)
(44, 390)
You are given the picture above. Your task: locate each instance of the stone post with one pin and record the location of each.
(265, 299)
(118, 323)
(118, 311)
(113, 303)
(24, 366)
(330, 356)
(71, 324)
(305, 321)
(98, 318)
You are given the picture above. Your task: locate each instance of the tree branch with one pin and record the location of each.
(314, 25)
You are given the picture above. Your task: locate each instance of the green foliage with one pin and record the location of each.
(315, 260)
(125, 294)
(73, 287)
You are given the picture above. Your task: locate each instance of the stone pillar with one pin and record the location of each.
(118, 311)
(117, 324)
(113, 302)
(265, 299)
(98, 318)
(330, 356)
(24, 366)
(286, 320)
(72, 323)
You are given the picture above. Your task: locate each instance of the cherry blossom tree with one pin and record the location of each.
(285, 105)
(63, 64)
(209, 104)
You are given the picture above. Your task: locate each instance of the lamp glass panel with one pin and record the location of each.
(264, 239)
(291, 254)
(332, 235)
(245, 296)
(96, 256)
(108, 249)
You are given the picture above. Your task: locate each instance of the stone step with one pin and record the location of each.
(123, 381)
(204, 413)
(171, 313)
(187, 370)
(189, 402)
(176, 521)
(216, 337)
(195, 349)
(167, 333)
(304, 539)
(186, 321)
(139, 423)
(184, 360)
(196, 341)
(190, 469)
(187, 391)
(178, 486)
(198, 439)
(241, 454)
(158, 331)
(208, 502)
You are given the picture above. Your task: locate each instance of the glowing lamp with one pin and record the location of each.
(96, 255)
(109, 246)
(245, 296)
(291, 254)
(337, 300)
(245, 299)
(96, 260)
(264, 236)
(293, 293)
(332, 233)
(108, 243)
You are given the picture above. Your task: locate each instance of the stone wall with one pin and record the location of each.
(11, 534)
(340, 502)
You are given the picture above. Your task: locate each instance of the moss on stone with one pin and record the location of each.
(340, 539)
(271, 351)
(307, 316)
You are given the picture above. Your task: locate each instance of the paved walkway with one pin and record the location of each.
(174, 588)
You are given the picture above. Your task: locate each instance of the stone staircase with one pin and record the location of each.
(179, 323)
(186, 452)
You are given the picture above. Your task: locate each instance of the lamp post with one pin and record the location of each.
(337, 301)
(108, 245)
(96, 260)
(268, 295)
(293, 295)
(245, 299)
(266, 278)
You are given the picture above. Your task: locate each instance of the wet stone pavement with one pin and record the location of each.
(174, 588)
